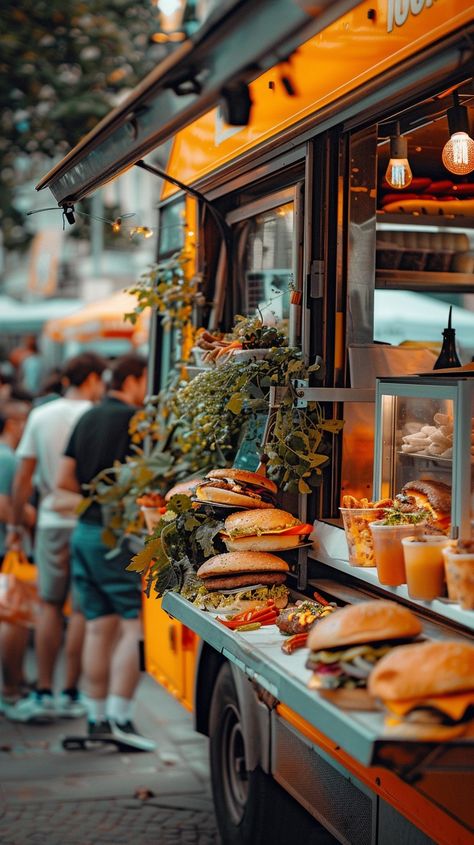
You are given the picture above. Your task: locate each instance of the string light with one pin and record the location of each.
(398, 174)
(458, 152)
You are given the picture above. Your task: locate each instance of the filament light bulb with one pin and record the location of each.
(398, 174)
(458, 154)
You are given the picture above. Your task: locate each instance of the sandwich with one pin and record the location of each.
(346, 645)
(237, 487)
(237, 581)
(427, 689)
(434, 497)
(183, 488)
(264, 531)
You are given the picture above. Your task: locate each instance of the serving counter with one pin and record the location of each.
(362, 734)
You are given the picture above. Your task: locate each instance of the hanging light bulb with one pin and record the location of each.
(398, 174)
(458, 152)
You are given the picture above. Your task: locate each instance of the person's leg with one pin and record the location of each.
(13, 643)
(48, 641)
(101, 636)
(73, 647)
(125, 665)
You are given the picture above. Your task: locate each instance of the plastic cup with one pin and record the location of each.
(152, 517)
(388, 551)
(424, 566)
(459, 569)
(359, 539)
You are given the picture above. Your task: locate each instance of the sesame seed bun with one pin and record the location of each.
(246, 523)
(423, 670)
(369, 621)
(235, 563)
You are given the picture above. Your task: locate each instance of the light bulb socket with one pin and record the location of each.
(458, 120)
(398, 147)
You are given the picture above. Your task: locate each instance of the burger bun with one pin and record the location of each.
(366, 622)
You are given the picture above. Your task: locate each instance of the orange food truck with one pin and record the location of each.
(312, 154)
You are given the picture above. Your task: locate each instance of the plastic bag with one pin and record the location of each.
(17, 564)
(19, 601)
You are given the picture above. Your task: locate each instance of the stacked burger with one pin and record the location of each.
(264, 530)
(237, 487)
(238, 581)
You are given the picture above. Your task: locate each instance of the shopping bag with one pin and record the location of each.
(16, 563)
(19, 601)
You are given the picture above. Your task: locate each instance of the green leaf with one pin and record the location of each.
(236, 403)
(303, 487)
(141, 561)
(333, 426)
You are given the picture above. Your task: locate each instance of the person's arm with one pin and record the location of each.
(22, 489)
(6, 514)
(66, 478)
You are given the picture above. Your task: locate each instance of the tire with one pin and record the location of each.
(251, 808)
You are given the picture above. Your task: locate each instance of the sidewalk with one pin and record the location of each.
(49, 796)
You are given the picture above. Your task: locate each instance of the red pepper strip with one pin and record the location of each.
(262, 614)
(292, 643)
(268, 621)
(320, 599)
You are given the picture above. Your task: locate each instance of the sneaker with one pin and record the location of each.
(69, 705)
(127, 733)
(37, 707)
(8, 701)
(100, 730)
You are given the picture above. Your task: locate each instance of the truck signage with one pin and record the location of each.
(398, 11)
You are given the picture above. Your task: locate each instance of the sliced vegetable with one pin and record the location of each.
(305, 528)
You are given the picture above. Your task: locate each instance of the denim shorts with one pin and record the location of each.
(102, 583)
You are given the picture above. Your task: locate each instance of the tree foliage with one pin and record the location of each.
(63, 66)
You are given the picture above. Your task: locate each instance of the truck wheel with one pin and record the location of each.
(250, 806)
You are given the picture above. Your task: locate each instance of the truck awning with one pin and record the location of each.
(238, 42)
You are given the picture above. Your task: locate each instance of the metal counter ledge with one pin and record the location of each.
(258, 654)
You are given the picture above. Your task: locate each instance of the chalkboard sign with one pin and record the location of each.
(248, 456)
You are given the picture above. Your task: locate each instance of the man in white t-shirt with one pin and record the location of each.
(40, 451)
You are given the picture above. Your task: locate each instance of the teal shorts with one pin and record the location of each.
(102, 583)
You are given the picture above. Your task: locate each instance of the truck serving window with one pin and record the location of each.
(265, 232)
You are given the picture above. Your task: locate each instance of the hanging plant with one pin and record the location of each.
(171, 287)
(298, 447)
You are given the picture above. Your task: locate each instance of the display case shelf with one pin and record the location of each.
(331, 550)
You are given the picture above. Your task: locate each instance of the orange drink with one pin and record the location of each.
(388, 551)
(424, 566)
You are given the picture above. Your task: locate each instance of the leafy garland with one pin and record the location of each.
(198, 425)
(181, 541)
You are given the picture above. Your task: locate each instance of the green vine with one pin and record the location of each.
(171, 288)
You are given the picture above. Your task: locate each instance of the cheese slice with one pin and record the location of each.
(453, 705)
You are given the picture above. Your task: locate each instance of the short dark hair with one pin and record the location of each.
(12, 409)
(77, 369)
(127, 365)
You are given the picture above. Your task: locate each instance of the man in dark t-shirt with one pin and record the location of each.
(110, 596)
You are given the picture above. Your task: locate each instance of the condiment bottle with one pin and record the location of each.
(448, 356)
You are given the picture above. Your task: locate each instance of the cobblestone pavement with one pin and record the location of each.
(49, 796)
(114, 821)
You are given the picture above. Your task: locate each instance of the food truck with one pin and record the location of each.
(285, 119)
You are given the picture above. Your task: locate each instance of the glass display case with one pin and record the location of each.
(423, 431)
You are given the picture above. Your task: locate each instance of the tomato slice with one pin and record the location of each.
(304, 528)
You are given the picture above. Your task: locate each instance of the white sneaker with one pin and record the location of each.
(70, 705)
(129, 735)
(37, 707)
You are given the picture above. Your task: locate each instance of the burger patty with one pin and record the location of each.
(230, 582)
(258, 493)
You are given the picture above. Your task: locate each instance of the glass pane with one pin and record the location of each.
(269, 262)
(171, 234)
(418, 441)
